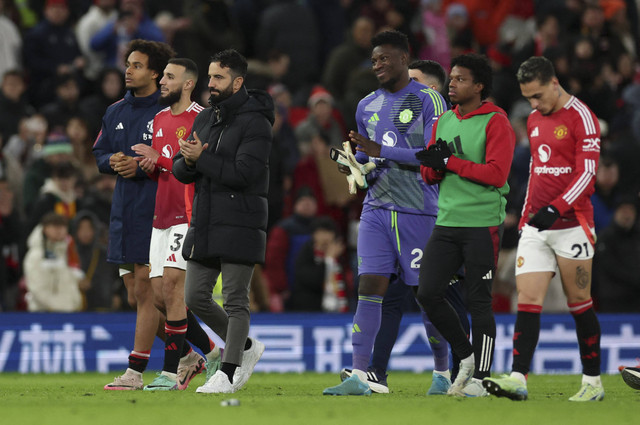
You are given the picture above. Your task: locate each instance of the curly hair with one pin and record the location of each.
(233, 60)
(480, 69)
(158, 53)
(394, 38)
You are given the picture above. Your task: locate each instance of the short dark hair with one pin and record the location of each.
(189, 66)
(536, 68)
(54, 219)
(63, 170)
(431, 68)
(325, 223)
(480, 69)
(233, 60)
(394, 38)
(158, 53)
(14, 73)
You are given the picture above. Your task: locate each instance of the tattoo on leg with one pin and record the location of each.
(582, 277)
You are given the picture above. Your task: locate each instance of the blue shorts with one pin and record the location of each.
(392, 243)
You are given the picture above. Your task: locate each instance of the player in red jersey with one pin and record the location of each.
(557, 226)
(170, 223)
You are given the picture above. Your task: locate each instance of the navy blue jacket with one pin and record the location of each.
(126, 123)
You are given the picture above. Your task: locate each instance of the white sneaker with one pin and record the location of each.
(462, 380)
(475, 389)
(249, 359)
(127, 381)
(218, 384)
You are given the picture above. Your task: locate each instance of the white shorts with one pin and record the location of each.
(166, 249)
(125, 269)
(537, 250)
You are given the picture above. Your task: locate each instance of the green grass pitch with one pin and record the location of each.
(297, 399)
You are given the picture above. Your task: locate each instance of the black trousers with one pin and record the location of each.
(475, 248)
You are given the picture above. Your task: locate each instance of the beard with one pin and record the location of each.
(171, 98)
(388, 85)
(221, 96)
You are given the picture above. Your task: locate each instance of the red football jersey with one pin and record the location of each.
(173, 199)
(565, 147)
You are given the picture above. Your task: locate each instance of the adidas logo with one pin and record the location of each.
(374, 118)
(172, 258)
(120, 126)
(355, 329)
(159, 133)
(488, 276)
(535, 132)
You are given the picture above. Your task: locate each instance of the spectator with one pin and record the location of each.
(11, 241)
(289, 26)
(616, 267)
(13, 105)
(317, 171)
(111, 89)
(213, 28)
(320, 119)
(101, 278)
(65, 104)
(56, 150)
(546, 36)
(58, 194)
(50, 49)
(261, 75)
(77, 131)
(97, 17)
(283, 158)
(283, 244)
(52, 267)
(25, 146)
(434, 30)
(10, 42)
(98, 196)
(348, 58)
(132, 23)
(319, 280)
(606, 193)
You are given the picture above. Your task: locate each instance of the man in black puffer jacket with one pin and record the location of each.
(227, 158)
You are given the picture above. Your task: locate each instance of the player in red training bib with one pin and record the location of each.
(170, 224)
(557, 227)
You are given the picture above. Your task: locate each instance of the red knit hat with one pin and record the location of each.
(319, 93)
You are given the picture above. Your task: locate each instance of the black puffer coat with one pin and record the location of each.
(229, 218)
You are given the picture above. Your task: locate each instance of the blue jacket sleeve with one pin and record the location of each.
(102, 151)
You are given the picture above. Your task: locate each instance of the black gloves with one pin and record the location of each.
(545, 217)
(436, 156)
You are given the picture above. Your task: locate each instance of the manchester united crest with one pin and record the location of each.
(520, 261)
(181, 132)
(561, 132)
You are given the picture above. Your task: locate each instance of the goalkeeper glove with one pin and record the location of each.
(357, 171)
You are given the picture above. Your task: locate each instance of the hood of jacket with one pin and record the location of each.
(241, 102)
(95, 222)
(485, 108)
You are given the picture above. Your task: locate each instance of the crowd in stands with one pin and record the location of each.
(61, 66)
